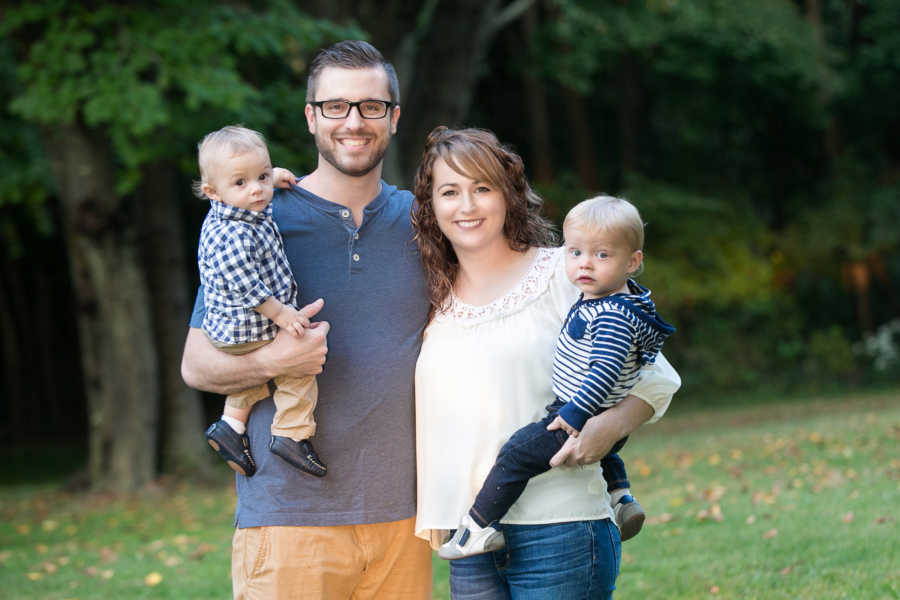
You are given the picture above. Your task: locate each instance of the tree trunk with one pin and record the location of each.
(628, 110)
(13, 355)
(582, 140)
(181, 418)
(830, 137)
(112, 307)
(540, 159)
(439, 63)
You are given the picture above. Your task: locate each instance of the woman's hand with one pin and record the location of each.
(600, 433)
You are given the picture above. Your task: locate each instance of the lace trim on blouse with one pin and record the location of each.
(529, 288)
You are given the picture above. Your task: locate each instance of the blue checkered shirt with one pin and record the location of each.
(242, 264)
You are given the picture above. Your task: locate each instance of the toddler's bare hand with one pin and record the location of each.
(560, 423)
(282, 178)
(292, 320)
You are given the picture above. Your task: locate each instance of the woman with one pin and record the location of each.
(499, 295)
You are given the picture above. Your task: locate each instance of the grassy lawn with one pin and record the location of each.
(764, 501)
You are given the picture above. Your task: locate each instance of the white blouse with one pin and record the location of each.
(484, 372)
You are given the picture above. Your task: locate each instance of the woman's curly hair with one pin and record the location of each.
(479, 155)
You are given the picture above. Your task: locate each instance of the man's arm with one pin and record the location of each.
(205, 367)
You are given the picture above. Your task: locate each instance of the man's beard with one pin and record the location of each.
(357, 171)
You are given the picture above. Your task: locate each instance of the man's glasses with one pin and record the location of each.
(340, 109)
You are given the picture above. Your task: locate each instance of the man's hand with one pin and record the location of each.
(282, 178)
(205, 367)
(560, 423)
(290, 354)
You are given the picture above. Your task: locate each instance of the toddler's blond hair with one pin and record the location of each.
(608, 213)
(233, 139)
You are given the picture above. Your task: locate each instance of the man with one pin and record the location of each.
(348, 239)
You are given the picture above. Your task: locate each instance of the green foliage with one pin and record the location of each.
(710, 82)
(25, 180)
(830, 354)
(156, 75)
(871, 69)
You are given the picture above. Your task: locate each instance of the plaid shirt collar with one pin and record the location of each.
(226, 211)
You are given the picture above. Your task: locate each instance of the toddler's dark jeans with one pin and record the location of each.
(526, 454)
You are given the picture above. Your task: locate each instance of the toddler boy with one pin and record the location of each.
(249, 293)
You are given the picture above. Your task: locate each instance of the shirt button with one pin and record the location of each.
(356, 258)
(345, 213)
(356, 236)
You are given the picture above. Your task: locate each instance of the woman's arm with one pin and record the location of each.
(658, 383)
(601, 432)
(205, 367)
(648, 400)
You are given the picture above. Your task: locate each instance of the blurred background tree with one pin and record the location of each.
(758, 138)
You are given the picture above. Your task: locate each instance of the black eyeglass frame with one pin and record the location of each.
(388, 105)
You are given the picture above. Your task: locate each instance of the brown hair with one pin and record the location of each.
(350, 54)
(479, 155)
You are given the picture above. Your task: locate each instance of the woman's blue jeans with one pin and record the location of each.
(559, 561)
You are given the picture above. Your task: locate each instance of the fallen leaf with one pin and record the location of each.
(33, 576)
(107, 574)
(49, 567)
(847, 518)
(714, 589)
(49, 525)
(786, 570)
(770, 534)
(107, 555)
(673, 532)
(714, 512)
(714, 459)
(91, 571)
(658, 519)
(751, 519)
(23, 529)
(41, 548)
(153, 579)
(714, 493)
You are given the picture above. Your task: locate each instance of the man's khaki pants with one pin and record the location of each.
(346, 562)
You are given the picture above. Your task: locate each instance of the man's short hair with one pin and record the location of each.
(608, 213)
(233, 139)
(351, 54)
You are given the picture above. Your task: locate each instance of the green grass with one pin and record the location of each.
(773, 500)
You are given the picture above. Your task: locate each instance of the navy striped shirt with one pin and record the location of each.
(600, 351)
